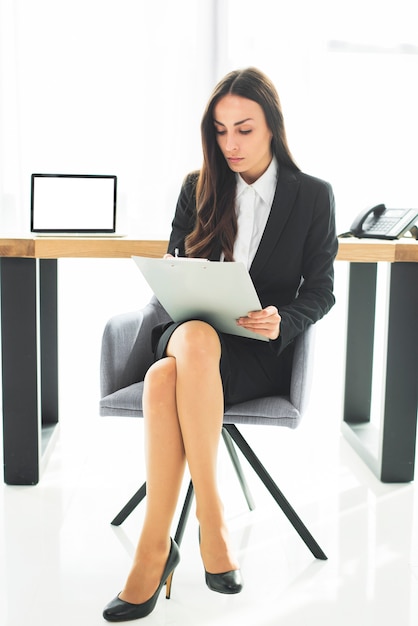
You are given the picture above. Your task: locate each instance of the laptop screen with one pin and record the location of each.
(71, 203)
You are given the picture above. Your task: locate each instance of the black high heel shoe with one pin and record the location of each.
(120, 611)
(227, 582)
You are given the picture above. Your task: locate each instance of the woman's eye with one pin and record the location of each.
(245, 132)
(220, 132)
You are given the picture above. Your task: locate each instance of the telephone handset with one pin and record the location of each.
(378, 222)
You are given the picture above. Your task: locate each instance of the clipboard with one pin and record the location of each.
(215, 292)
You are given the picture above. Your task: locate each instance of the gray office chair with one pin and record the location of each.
(125, 357)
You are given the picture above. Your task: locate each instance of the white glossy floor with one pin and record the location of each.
(61, 561)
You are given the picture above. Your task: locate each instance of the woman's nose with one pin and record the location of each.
(230, 143)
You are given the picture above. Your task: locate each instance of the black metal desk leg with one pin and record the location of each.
(401, 394)
(389, 449)
(360, 339)
(24, 409)
(19, 353)
(48, 307)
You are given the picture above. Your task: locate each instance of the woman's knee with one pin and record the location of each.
(161, 376)
(195, 339)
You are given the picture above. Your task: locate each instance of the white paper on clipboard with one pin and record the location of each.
(216, 292)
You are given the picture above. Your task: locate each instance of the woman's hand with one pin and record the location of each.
(265, 322)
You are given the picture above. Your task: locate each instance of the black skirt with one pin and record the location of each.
(249, 367)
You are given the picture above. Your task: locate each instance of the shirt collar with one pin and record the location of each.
(265, 186)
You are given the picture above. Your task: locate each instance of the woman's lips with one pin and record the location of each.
(235, 160)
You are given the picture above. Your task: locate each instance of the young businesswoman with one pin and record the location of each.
(250, 203)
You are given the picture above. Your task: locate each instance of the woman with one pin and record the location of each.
(248, 203)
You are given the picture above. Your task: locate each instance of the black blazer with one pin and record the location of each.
(293, 266)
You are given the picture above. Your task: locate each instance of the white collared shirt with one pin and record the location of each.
(253, 204)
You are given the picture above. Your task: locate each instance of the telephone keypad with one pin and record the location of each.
(384, 225)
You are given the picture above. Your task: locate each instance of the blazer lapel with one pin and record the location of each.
(284, 198)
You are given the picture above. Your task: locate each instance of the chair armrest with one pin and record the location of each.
(302, 369)
(126, 352)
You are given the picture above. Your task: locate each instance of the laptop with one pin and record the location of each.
(73, 205)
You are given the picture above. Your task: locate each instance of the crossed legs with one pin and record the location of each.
(183, 409)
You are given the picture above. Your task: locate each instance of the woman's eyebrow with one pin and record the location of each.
(236, 123)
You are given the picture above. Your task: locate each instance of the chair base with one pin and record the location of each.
(231, 435)
(130, 506)
(269, 483)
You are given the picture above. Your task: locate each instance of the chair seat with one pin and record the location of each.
(123, 402)
(273, 410)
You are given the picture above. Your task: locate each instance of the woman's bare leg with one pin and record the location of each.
(183, 409)
(200, 408)
(165, 463)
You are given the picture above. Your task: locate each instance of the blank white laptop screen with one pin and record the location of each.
(69, 203)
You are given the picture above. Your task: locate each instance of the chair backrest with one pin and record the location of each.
(302, 369)
(126, 352)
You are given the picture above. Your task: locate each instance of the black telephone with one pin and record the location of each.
(378, 222)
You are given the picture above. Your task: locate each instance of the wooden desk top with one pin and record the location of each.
(81, 247)
(375, 250)
(353, 250)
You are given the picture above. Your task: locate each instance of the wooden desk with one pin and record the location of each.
(28, 274)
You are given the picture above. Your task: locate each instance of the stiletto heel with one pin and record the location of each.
(120, 611)
(168, 585)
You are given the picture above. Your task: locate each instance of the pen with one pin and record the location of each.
(176, 252)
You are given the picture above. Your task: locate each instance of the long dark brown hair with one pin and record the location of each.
(216, 223)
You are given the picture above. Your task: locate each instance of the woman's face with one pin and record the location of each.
(243, 136)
